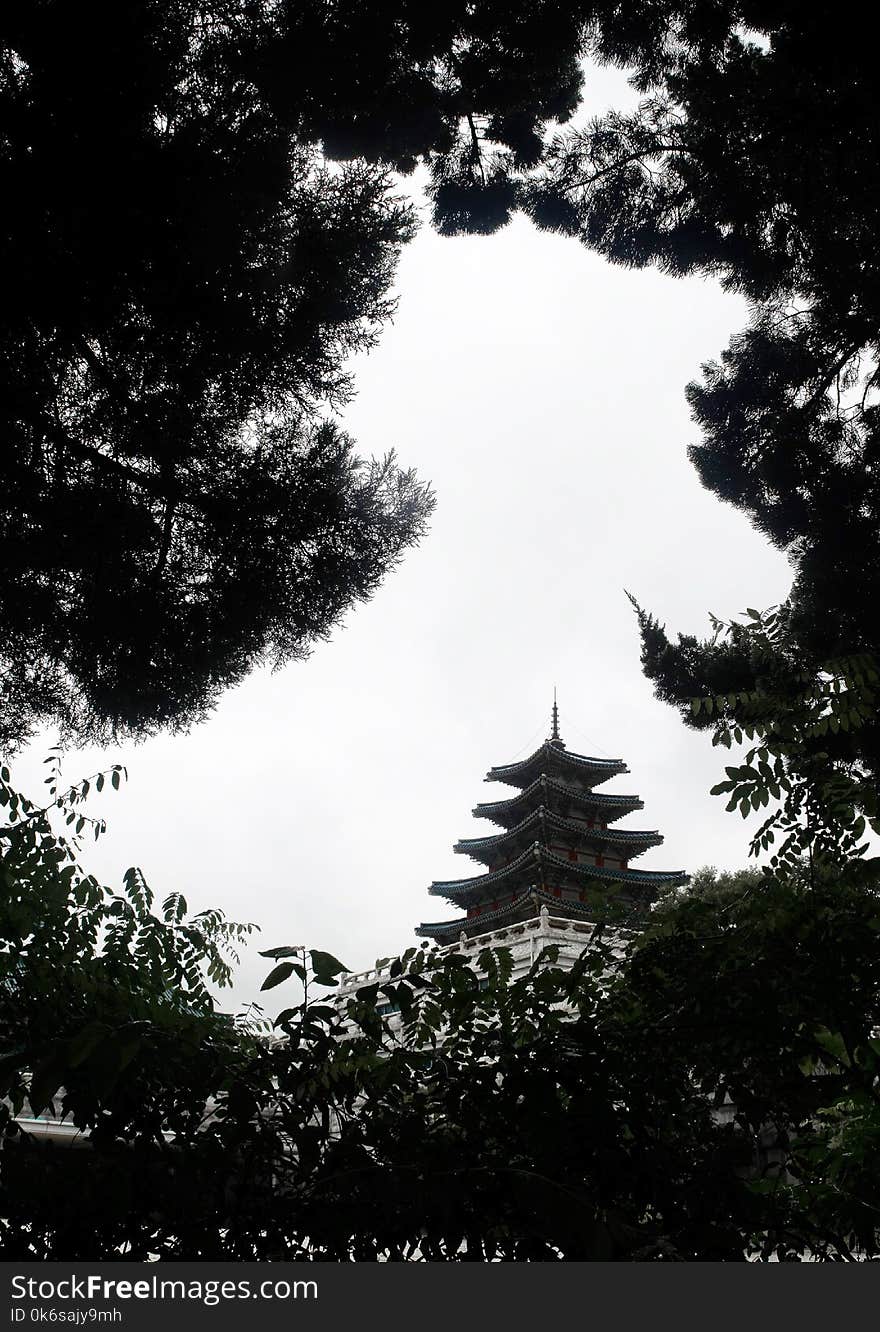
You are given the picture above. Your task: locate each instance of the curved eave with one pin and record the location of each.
(486, 921)
(506, 812)
(536, 861)
(486, 848)
(553, 755)
(433, 929)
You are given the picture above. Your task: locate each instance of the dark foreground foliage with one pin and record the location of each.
(185, 275)
(713, 1096)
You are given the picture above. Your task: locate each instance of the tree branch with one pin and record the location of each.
(157, 486)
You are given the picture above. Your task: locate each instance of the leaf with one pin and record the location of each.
(115, 780)
(277, 975)
(45, 1082)
(174, 907)
(80, 1046)
(325, 966)
(833, 1043)
(285, 1016)
(126, 1051)
(282, 952)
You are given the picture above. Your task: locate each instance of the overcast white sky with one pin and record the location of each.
(541, 392)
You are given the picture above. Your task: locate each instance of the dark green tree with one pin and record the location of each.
(806, 734)
(707, 884)
(184, 279)
(185, 272)
(769, 998)
(755, 157)
(714, 1094)
(107, 1020)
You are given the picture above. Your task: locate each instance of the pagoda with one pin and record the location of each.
(557, 850)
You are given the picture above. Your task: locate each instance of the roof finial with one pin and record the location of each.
(554, 735)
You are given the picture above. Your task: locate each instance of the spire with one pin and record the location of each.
(554, 734)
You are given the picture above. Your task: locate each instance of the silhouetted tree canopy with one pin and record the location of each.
(201, 226)
(755, 157)
(183, 281)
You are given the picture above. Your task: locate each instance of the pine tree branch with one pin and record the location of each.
(62, 439)
(828, 378)
(639, 156)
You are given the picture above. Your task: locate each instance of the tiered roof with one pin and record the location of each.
(544, 825)
(563, 799)
(556, 848)
(554, 760)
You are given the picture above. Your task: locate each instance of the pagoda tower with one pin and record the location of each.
(557, 849)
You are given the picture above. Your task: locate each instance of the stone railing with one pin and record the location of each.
(537, 931)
